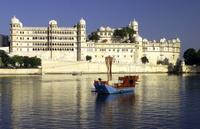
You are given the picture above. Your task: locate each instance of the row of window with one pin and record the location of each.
(53, 44)
(159, 49)
(53, 49)
(45, 38)
(46, 32)
(53, 32)
(131, 50)
(53, 38)
(105, 33)
(115, 56)
(15, 25)
(115, 50)
(160, 44)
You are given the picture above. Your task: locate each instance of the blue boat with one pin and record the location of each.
(125, 84)
(102, 88)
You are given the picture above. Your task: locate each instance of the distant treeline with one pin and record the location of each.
(18, 61)
(192, 57)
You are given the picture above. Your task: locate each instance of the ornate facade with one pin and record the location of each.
(47, 42)
(69, 43)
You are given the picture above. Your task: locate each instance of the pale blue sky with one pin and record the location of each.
(157, 18)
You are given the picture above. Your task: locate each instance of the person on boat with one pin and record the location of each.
(99, 80)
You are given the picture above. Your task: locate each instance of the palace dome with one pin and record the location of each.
(108, 28)
(53, 22)
(145, 40)
(102, 28)
(15, 20)
(82, 21)
(174, 40)
(162, 40)
(134, 23)
(178, 40)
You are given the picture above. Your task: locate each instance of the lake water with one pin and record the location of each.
(66, 101)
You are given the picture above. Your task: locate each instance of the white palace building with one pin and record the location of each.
(70, 44)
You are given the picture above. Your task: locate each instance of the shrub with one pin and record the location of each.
(144, 60)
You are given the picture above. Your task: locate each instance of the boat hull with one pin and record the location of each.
(107, 89)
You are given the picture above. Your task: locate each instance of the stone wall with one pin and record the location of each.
(89, 67)
(21, 71)
(52, 67)
(191, 69)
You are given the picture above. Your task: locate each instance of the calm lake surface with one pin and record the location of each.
(66, 101)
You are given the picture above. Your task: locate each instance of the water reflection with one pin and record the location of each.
(120, 98)
(108, 108)
(159, 100)
(65, 101)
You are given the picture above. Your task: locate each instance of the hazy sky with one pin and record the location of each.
(157, 18)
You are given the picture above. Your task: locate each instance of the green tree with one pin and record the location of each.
(166, 61)
(5, 59)
(1, 63)
(124, 32)
(38, 62)
(178, 67)
(175, 69)
(163, 62)
(26, 61)
(198, 57)
(11, 62)
(119, 33)
(34, 62)
(129, 32)
(94, 36)
(18, 60)
(190, 56)
(144, 60)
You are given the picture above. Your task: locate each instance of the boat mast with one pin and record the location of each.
(108, 61)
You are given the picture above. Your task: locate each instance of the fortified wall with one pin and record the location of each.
(66, 67)
(91, 67)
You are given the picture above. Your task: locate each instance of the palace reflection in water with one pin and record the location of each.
(65, 101)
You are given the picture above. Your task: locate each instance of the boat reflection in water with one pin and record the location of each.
(109, 98)
(109, 109)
